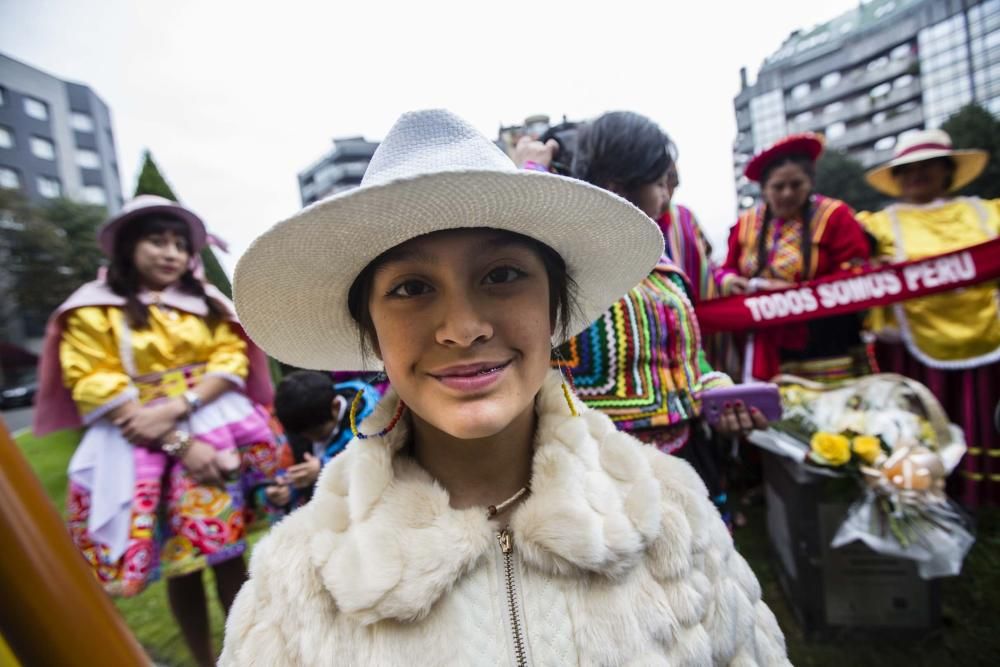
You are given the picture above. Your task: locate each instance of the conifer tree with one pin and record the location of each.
(151, 182)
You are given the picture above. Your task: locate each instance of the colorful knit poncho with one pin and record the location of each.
(641, 362)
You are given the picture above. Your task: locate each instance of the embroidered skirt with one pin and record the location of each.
(161, 522)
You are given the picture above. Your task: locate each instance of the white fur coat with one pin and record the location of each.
(620, 559)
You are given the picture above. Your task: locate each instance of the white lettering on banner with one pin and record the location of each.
(942, 271)
(859, 288)
(780, 304)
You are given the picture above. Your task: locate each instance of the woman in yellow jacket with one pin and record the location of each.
(949, 341)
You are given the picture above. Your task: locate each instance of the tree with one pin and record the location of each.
(974, 127)
(151, 182)
(842, 177)
(48, 252)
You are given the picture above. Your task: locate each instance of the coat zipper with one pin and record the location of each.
(506, 542)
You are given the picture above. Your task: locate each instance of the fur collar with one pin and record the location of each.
(387, 544)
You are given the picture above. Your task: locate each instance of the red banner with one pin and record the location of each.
(850, 292)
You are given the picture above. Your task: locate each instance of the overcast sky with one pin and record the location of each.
(234, 98)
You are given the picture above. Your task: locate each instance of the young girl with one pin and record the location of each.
(483, 514)
(151, 361)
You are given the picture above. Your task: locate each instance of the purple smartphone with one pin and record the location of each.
(760, 395)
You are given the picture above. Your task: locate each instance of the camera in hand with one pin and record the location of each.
(565, 135)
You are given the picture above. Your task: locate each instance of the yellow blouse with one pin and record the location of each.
(91, 362)
(952, 325)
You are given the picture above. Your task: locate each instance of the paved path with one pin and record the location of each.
(17, 419)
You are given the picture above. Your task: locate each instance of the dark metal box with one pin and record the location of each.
(833, 591)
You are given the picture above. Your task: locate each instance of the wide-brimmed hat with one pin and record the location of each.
(432, 172)
(145, 205)
(921, 145)
(805, 143)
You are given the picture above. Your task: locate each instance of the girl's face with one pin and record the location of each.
(463, 325)
(786, 190)
(654, 198)
(161, 258)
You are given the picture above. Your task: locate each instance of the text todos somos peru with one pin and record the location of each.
(851, 292)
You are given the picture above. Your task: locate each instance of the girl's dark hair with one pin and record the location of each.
(124, 280)
(302, 400)
(622, 148)
(562, 289)
(807, 165)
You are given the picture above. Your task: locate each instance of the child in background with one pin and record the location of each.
(315, 413)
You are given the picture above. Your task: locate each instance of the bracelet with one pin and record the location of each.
(177, 443)
(531, 165)
(193, 401)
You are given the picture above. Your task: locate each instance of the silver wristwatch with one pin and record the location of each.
(193, 401)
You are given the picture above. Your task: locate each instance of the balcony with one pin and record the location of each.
(854, 81)
(863, 105)
(869, 133)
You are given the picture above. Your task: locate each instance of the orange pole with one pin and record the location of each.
(53, 612)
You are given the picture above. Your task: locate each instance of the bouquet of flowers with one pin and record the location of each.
(891, 435)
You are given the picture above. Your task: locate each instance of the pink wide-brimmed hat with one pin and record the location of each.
(144, 205)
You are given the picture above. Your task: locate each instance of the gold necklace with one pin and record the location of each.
(493, 510)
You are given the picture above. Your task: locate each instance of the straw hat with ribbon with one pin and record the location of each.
(921, 145)
(432, 172)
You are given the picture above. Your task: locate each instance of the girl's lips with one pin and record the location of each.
(471, 378)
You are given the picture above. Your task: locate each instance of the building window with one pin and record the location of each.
(94, 194)
(830, 80)
(49, 187)
(877, 64)
(87, 159)
(6, 138)
(880, 117)
(901, 52)
(881, 90)
(767, 114)
(885, 143)
(836, 130)
(3, 97)
(903, 81)
(43, 148)
(833, 107)
(9, 178)
(81, 122)
(36, 108)
(800, 91)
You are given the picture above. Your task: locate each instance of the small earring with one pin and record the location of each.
(567, 394)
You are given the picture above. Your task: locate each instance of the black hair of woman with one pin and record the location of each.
(624, 149)
(808, 167)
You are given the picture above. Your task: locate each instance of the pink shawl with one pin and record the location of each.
(54, 406)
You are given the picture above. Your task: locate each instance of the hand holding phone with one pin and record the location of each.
(761, 395)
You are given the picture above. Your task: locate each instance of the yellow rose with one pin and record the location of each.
(831, 448)
(867, 447)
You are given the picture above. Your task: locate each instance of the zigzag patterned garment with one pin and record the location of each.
(640, 363)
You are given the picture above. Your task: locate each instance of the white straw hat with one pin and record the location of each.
(432, 172)
(921, 145)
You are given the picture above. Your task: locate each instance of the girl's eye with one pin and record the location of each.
(503, 274)
(410, 288)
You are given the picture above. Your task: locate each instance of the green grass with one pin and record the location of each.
(971, 602)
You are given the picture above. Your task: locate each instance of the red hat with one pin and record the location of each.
(806, 143)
